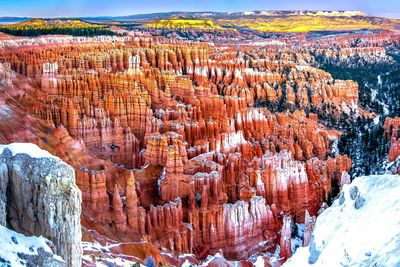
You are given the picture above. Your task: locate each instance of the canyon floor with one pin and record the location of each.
(194, 139)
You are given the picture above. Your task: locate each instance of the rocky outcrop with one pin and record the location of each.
(309, 223)
(392, 129)
(295, 187)
(41, 198)
(350, 55)
(285, 242)
(246, 225)
(179, 143)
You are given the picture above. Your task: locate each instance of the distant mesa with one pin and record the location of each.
(271, 21)
(298, 21)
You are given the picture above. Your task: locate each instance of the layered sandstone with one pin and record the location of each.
(392, 126)
(180, 143)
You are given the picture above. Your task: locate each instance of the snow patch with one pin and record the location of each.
(248, 13)
(186, 264)
(259, 262)
(376, 120)
(210, 258)
(31, 150)
(345, 13)
(13, 243)
(107, 258)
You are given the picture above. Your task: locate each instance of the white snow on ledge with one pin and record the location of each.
(348, 236)
(12, 243)
(31, 150)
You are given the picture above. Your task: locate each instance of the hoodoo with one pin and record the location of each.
(193, 138)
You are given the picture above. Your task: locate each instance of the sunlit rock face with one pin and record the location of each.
(186, 147)
(39, 197)
(392, 126)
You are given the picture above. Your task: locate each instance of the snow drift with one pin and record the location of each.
(361, 228)
(20, 250)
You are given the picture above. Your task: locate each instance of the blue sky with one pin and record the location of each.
(54, 8)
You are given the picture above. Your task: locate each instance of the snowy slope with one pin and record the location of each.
(19, 250)
(99, 255)
(361, 228)
(31, 150)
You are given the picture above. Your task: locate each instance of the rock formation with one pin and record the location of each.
(39, 197)
(308, 229)
(392, 129)
(285, 244)
(184, 146)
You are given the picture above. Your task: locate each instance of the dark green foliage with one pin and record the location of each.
(366, 75)
(363, 140)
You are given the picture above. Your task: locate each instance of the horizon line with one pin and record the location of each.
(181, 11)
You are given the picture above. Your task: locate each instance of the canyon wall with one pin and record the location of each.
(191, 147)
(39, 197)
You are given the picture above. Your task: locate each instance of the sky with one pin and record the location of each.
(79, 8)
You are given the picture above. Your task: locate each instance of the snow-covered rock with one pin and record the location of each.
(99, 255)
(19, 250)
(39, 196)
(31, 150)
(361, 228)
(216, 260)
